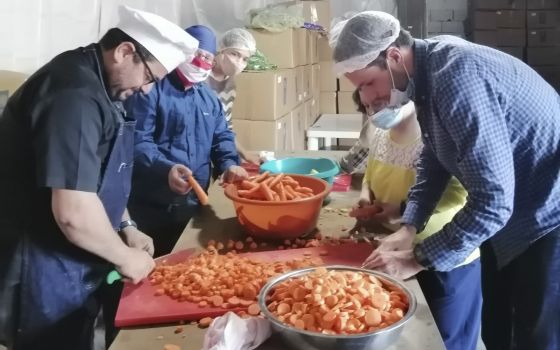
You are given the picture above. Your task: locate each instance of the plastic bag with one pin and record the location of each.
(277, 18)
(259, 62)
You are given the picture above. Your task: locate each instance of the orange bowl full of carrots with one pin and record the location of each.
(282, 206)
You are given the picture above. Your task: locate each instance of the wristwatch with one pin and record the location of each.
(127, 223)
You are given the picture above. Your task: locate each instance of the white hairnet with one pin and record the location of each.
(238, 38)
(359, 40)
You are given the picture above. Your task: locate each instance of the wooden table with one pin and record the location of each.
(217, 221)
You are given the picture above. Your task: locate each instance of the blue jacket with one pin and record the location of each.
(177, 126)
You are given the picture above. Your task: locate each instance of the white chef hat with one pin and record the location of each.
(166, 41)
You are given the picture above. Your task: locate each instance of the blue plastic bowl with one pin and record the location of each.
(323, 168)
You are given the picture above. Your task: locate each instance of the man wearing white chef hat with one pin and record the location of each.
(69, 147)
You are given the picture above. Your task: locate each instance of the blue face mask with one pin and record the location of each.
(392, 114)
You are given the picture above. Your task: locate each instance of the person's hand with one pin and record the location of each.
(388, 212)
(177, 179)
(235, 173)
(136, 265)
(400, 264)
(400, 240)
(364, 212)
(134, 238)
(252, 157)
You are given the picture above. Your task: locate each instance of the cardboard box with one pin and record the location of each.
(298, 127)
(327, 102)
(313, 53)
(265, 135)
(345, 85)
(543, 19)
(303, 54)
(318, 12)
(311, 111)
(307, 85)
(264, 95)
(499, 4)
(327, 78)
(543, 4)
(324, 51)
(345, 103)
(543, 37)
(282, 49)
(543, 56)
(518, 51)
(299, 83)
(315, 80)
(490, 20)
(500, 37)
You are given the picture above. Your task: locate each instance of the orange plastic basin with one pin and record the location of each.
(285, 219)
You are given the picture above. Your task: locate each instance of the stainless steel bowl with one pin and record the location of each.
(306, 340)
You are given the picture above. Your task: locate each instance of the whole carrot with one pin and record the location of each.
(202, 196)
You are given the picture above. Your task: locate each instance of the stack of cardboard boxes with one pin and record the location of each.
(273, 109)
(335, 94)
(526, 29)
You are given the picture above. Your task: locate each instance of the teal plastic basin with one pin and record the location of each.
(323, 168)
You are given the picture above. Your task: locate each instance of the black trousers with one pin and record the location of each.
(521, 302)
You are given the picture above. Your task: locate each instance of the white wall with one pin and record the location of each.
(34, 31)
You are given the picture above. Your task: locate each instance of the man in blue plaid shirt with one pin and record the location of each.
(492, 122)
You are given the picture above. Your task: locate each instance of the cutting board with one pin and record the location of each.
(139, 305)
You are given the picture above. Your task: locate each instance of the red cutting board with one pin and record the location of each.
(139, 305)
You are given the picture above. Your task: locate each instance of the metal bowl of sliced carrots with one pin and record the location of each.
(337, 307)
(280, 206)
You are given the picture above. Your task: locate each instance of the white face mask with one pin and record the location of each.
(196, 71)
(230, 66)
(391, 115)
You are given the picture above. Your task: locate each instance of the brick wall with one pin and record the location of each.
(446, 17)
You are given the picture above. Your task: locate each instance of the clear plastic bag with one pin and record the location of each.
(277, 18)
(259, 62)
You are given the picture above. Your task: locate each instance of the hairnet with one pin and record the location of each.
(238, 38)
(359, 40)
(205, 36)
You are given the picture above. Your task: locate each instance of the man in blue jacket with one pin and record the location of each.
(181, 130)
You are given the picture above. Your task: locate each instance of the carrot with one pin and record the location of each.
(276, 180)
(261, 177)
(202, 196)
(267, 192)
(304, 189)
(282, 192)
(247, 185)
(290, 190)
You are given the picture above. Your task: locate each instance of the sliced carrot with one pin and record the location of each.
(205, 322)
(254, 309)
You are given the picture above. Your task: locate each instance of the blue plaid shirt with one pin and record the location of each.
(491, 121)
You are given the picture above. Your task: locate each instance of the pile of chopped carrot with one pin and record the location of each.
(337, 302)
(227, 281)
(267, 187)
(252, 244)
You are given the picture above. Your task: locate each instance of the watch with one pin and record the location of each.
(127, 223)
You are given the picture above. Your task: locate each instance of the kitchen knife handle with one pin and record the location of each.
(113, 276)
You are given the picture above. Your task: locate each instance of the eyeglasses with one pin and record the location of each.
(150, 78)
(205, 56)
